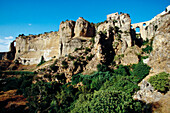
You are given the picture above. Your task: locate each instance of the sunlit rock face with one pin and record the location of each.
(83, 28)
(30, 49)
(159, 57)
(112, 37)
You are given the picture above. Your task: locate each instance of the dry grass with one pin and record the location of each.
(11, 99)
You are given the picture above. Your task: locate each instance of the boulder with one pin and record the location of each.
(147, 93)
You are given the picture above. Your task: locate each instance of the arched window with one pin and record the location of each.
(144, 24)
(137, 29)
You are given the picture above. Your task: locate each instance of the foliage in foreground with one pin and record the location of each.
(161, 82)
(103, 91)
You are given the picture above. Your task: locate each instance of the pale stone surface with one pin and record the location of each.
(159, 57)
(147, 93)
(84, 28)
(131, 56)
(67, 43)
(30, 49)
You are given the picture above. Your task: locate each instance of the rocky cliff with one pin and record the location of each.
(30, 49)
(111, 41)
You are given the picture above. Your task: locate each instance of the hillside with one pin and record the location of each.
(87, 67)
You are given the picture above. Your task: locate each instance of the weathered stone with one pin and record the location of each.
(131, 56)
(159, 57)
(30, 49)
(67, 44)
(83, 28)
(147, 93)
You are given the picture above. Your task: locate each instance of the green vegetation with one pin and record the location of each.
(140, 70)
(70, 57)
(76, 49)
(98, 24)
(17, 73)
(20, 83)
(89, 57)
(161, 82)
(148, 49)
(93, 40)
(105, 90)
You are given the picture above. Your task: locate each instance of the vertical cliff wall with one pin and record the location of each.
(30, 49)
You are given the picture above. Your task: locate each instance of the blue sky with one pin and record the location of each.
(38, 16)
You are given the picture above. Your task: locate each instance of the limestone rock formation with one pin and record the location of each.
(119, 24)
(131, 56)
(66, 42)
(159, 57)
(83, 28)
(147, 93)
(30, 49)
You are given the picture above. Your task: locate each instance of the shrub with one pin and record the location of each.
(109, 101)
(102, 67)
(64, 64)
(89, 57)
(93, 40)
(148, 49)
(76, 79)
(145, 42)
(141, 70)
(53, 67)
(161, 82)
(70, 57)
(61, 77)
(122, 70)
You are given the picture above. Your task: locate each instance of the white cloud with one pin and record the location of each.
(4, 48)
(30, 24)
(10, 37)
(5, 43)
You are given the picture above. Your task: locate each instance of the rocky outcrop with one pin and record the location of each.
(147, 93)
(159, 57)
(119, 24)
(66, 42)
(131, 56)
(30, 49)
(83, 28)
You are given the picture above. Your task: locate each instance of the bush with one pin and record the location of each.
(140, 70)
(53, 67)
(70, 57)
(64, 64)
(109, 101)
(76, 79)
(17, 73)
(102, 67)
(122, 70)
(161, 82)
(148, 49)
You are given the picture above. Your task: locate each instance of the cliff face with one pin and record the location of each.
(159, 57)
(113, 38)
(29, 49)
